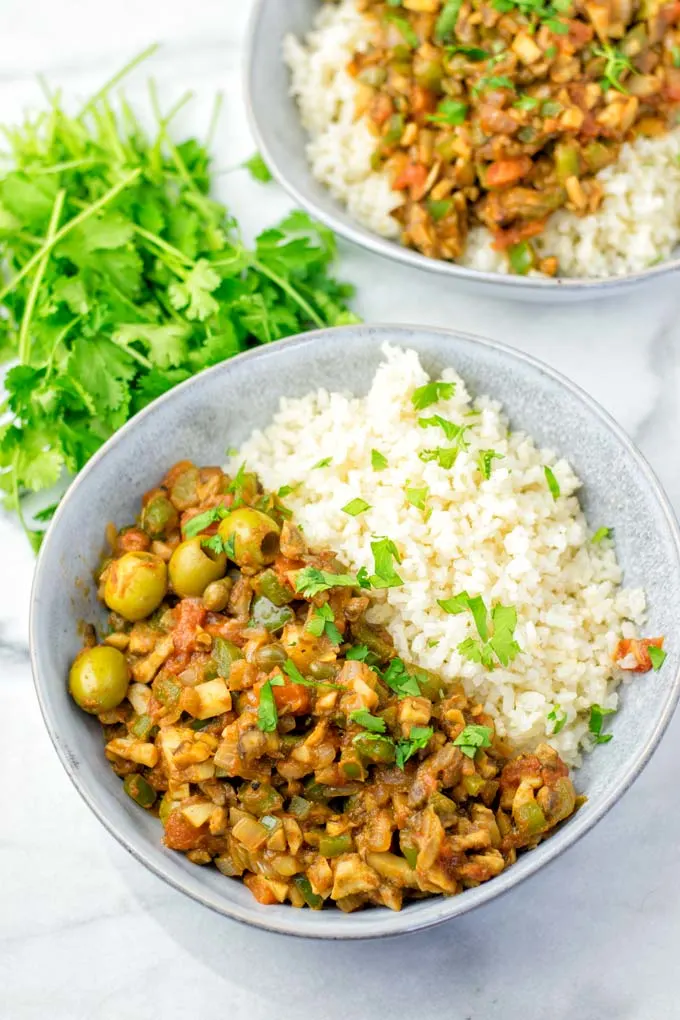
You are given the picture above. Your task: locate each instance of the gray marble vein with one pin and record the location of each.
(86, 933)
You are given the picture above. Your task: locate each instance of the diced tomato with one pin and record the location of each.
(507, 171)
(182, 835)
(413, 176)
(639, 648)
(260, 889)
(579, 32)
(189, 615)
(293, 698)
(513, 235)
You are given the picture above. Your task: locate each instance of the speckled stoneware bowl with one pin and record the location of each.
(217, 409)
(281, 139)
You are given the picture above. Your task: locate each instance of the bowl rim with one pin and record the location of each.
(515, 287)
(437, 909)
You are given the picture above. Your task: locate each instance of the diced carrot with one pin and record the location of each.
(513, 235)
(413, 176)
(293, 698)
(189, 615)
(639, 648)
(507, 171)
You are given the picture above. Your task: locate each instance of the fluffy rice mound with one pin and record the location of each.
(637, 224)
(506, 538)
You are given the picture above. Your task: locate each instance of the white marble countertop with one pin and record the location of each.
(85, 931)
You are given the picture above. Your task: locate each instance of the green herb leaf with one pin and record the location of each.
(214, 543)
(445, 456)
(450, 111)
(493, 82)
(485, 459)
(616, 64)
(473, 53)
(601, 534)
(551, 52)
(323, 621)
(408, 33)
(310, 581)
(385, 553)
(324, 462)
(403, 683)
(203, 520)
(258, 169)
(504, 621)
(472, 738)
(359, 653)
(657, 656)
(267, 714)
(291, 671)
(229, 547)
(553, 484)
(417, 496)
(356, 506)
(372, 723)
(526, 103)
(418, 739)
(378, 460)
(439, 208)
(286, 490)
(597, 715)
(558, 718)
(446, 22)
(431, 393)
(449, 428)
(456, 604)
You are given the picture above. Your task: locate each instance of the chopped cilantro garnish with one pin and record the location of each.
(417, 496)
(324, 462)
(356, 506)
(597, 715)
(616, 63)
(397, 678)
(385, 553)
(286, 490)
(291, 671)
(473, 53)
(496, 637)
(431, 392)
(310, 581)
(558, 718)
(417, 740)
(363, 580)
(675, 56)
(472, 738)
(406, 30)
(432, 642)
(601, 534)
(203, 520)
(494, 82)
(553, 484)
(258, 169)
(214, 543)
(450, 111)
(657, 656)
(359, 653)
(526, 103)
(446, 22)
(484, 461)
(322, 621)
(445, 456)
(449, 428)
(551, 52)
(267, 715)
(372, 723)
(378, 460)
(229, 547)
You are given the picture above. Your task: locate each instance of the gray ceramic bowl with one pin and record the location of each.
(281, 139)
(217, 409)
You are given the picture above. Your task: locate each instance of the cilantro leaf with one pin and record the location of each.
(356, 506)
(558, 718)
(657, 657)
(601, 534)
(417, 740)
(378, 460)
(258, 169)
(203, 520)
(597, 716)
(485, 459)
(431, 393)
(403, 683)
(417, 496)
(359, 653)
(322, 621)
(372, 723)
(324, 462)
(445, 456)
(472, 738)
(291, 670)
(267, 714)
(385, 553)
(553, 484)
(310, 581)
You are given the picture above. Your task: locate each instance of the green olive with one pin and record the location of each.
(216, 595)
(99, 679)
(135, 585)
(159, 516)
(252, 536)
(193, 566)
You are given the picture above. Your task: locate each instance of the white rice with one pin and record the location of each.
(505, 538)
(637, 224)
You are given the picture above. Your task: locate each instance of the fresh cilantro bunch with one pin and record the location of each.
(121, 277)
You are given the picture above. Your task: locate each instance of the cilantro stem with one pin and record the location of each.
(289, 290)
(48, 244)
(24, 335)
(118, 76)
(132, 352)
(164, 246)
(214, 117)
(61, 336)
